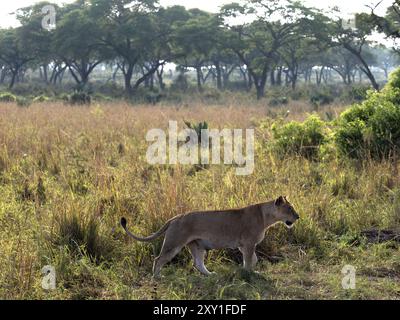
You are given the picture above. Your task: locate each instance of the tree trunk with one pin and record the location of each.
(365, 68)
(272, 78)
(45, 75)
(13, 78)
(279, 77)
(3, 73)
(219, 75)
(128, 73)
(160, 78)
(199, 78)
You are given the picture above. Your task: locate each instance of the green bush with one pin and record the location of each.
(355, 94)
(35, 89)
(350, 139)
(321, 98)
(277, 101)
(63, 97)
(7, 97)
(297, 138)
(41, 98)
(180, 83)
(80, 98)
(153, 97)
(211, 94)
(23, 102)
(372, 128)
(102, 97)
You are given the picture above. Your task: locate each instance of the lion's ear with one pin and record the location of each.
(280, 201)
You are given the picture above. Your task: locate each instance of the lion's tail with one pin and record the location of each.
(146, 239)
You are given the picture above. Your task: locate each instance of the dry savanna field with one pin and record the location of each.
(67, 175)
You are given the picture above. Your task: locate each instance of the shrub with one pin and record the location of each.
(211, 94)
(153, 97)
(296, 95)
(180, 83)
(197, 128)
(63, 97)
(277, 101)
(41, 98)
(7, 97)
(109, 89)
(297, 138)
(356, 93)
(34, 89)
(80, 98)
(394, 80)
(349, 138)
(321, 98)
(23, 102)
(102, 97)
(372, 128)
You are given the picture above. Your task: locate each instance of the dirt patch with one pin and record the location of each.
(381, 273)
(378, 236)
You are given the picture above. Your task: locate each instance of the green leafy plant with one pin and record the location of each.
(41, 98)
(7, 97)
(277, 101)
(197, 127)
(372, 128)
(23, 102)
(80, 98)
(321, 98)
(297, 138)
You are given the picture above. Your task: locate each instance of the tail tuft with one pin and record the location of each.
(123, 222)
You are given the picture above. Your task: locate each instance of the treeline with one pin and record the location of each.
(138, 38)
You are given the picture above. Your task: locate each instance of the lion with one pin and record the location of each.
(207, 230)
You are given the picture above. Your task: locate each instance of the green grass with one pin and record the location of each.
(67, 175)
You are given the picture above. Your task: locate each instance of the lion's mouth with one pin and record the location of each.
(288, 223)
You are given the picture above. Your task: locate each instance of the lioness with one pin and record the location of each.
(237, 228)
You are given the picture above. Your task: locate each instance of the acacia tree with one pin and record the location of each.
(388, 24)
(15, 53)
(194, 41)
(33, 32)
(76, 43)
(137, 35)
(355, 41)
(343, 62)
(386, 59)
(260, 43)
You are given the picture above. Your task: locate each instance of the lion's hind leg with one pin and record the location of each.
(168, 251)
(198, 253)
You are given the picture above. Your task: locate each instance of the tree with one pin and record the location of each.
(15, 53)
(137, 34)
(76, 42)
(259, 44)
(194, 41)
(386, 59)
(343, 62)
(33, 32)
(355, 41)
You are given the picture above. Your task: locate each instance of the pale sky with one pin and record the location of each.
(346, 6)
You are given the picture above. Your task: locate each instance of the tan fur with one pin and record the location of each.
(205, 230)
